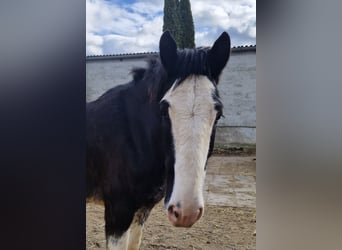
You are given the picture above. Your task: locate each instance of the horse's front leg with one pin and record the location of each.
(136, 228)
(117, 242)
(118, 217)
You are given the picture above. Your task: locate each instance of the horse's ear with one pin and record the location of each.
(219, 54)
(168, 51)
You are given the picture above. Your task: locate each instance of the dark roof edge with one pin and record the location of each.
(237, 49)
(122, 56)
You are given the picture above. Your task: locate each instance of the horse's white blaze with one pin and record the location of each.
(114, 243)
(192, 114)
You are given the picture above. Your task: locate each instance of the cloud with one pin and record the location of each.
(252, 32)
(150, 8)
(94, 44)
(118, 27)
(213, 17)
(113, 28)
(145, 39)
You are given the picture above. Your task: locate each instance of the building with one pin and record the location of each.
(237, 129)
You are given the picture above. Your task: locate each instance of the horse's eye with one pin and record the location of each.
(218, 115)
(164, 107)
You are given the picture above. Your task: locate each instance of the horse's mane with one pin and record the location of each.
(138, 73)
(153, 78)
(158, 81)
(192, 62)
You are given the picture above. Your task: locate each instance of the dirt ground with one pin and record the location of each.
(229, 219)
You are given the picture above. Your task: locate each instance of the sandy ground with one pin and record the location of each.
(229, 219)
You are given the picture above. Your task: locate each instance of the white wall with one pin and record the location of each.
(237, 89)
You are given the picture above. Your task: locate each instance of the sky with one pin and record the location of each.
(135, 26)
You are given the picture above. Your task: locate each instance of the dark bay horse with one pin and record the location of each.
(151, 138)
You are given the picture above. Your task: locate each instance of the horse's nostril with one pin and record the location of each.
(170, 208)
(200, 212)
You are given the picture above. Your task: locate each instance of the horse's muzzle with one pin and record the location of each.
(180, 218)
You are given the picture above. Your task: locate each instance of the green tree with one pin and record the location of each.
(171, 19)
(187, 27)
(178, 20)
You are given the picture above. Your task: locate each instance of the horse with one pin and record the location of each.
(151, 138)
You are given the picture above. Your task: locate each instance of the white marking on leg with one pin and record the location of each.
(135, 233)
(117, 243)
(136, 228)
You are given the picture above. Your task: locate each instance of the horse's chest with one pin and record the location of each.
(151, 190)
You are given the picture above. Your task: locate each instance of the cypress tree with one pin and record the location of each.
(178, 20)
(187, 25)
(171, 19)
